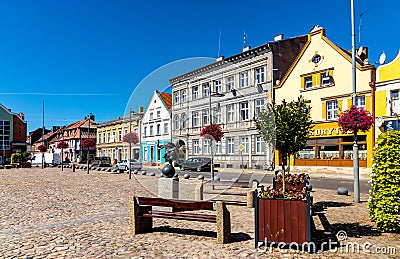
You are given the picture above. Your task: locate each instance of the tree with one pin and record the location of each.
(351, 121)
(286, 126)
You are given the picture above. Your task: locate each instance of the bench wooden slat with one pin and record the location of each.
(181, 216)
(228, 183)
(226, 193)
(178, 204)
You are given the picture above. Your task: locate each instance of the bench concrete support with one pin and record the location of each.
(250, 195)
(139, 224)
(198, 193)
(223, 223)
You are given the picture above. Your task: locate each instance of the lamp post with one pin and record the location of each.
(87, 157)
(212, 153)
(130, 144)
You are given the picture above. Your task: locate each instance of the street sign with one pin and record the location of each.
(241, 147)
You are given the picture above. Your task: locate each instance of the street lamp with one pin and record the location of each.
(87, 157)
(216, 94)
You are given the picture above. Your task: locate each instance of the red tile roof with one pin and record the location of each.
(167, 99)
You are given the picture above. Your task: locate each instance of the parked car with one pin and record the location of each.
(197, 164)
(101, 161)
(124, 165)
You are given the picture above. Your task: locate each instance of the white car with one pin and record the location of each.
(124, 165)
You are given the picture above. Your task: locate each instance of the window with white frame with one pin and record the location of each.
(245, 142)
(259, 106)
(166, 128)
(183, 93)
(206, 89)
(207, 147)
(158, 129)
(151, 115)
(218, 115)
(308, 83)
(144, 131)
(325, 79)
(244, 79)
(244, 110)
(184, 121)
(176, 122)
(206, 117)
(260, 75)
(218, 86)
(99, 138)
(230, 83)
(231, 146)
(360, 102)
(119, 135)
(125, 131)
(195, 119)
(230, 112)
(260, 145)
(332, 110)
(125, 153)
(108, 137)
(196, 148)
(158, 114)
(104, 137)
(135, 131)
(114, 138)
(195, 92)
(218, 147)
(176, 97)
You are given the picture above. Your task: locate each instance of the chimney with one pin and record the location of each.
(21, 115)
(246, 48)
(141, 109)
(278, 37)
(92, 117)
(219, 58)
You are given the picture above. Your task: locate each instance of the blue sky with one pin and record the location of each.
(83, 56)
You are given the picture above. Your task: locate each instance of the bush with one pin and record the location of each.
(16, 158)
(384, 201)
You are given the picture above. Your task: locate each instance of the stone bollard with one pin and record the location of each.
(250, 199)
(223, 223)
(73, 167)
(198, 194)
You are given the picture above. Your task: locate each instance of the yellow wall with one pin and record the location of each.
(389, 71)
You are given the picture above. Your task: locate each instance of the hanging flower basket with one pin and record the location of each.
(62, 145)
(131, 138)
(355, 119)
(88, 143)
(42, 148)
(212, 132)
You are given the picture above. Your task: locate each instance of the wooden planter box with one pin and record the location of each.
(282, 220)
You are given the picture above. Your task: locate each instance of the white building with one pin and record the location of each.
(156, 128)
(250, 75)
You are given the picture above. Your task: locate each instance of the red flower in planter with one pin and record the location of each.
(42, 148)
(355, 119)
(88, 142)
(131, 138)
(62, 145)
(212, 131)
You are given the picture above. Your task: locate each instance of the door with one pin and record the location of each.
(152, 154)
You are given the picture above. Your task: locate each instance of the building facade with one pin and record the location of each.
(13, 131)
(110, 136)
(156, 128)
(322, 75)
(230, 92)
(387, 99)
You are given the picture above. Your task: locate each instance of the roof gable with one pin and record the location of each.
(389, 71)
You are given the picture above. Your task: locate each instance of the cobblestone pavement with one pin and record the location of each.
(47, 213)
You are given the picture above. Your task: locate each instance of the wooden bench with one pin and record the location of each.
(249, 193)
(141, 214)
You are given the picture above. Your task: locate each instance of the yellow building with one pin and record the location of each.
(110, 137)
(322, 73)
(387, 104)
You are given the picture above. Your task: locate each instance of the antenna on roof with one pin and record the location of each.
(219, 41)
(244, 38)
(359, 25)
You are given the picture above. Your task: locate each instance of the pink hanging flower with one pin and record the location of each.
(62, 145)
(212, 131)
(355, 119)
(131, 138)
(42, 148)
(88, 142)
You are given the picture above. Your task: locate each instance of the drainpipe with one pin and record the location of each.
(372, 85)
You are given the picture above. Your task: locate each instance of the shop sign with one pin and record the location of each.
(392, 125)
(325, 132)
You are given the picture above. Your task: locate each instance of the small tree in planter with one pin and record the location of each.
(131, 138)
(42, 148)
(291, 125)
(16, 158)
(351, 121)
(62, 145)
(88, 143)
